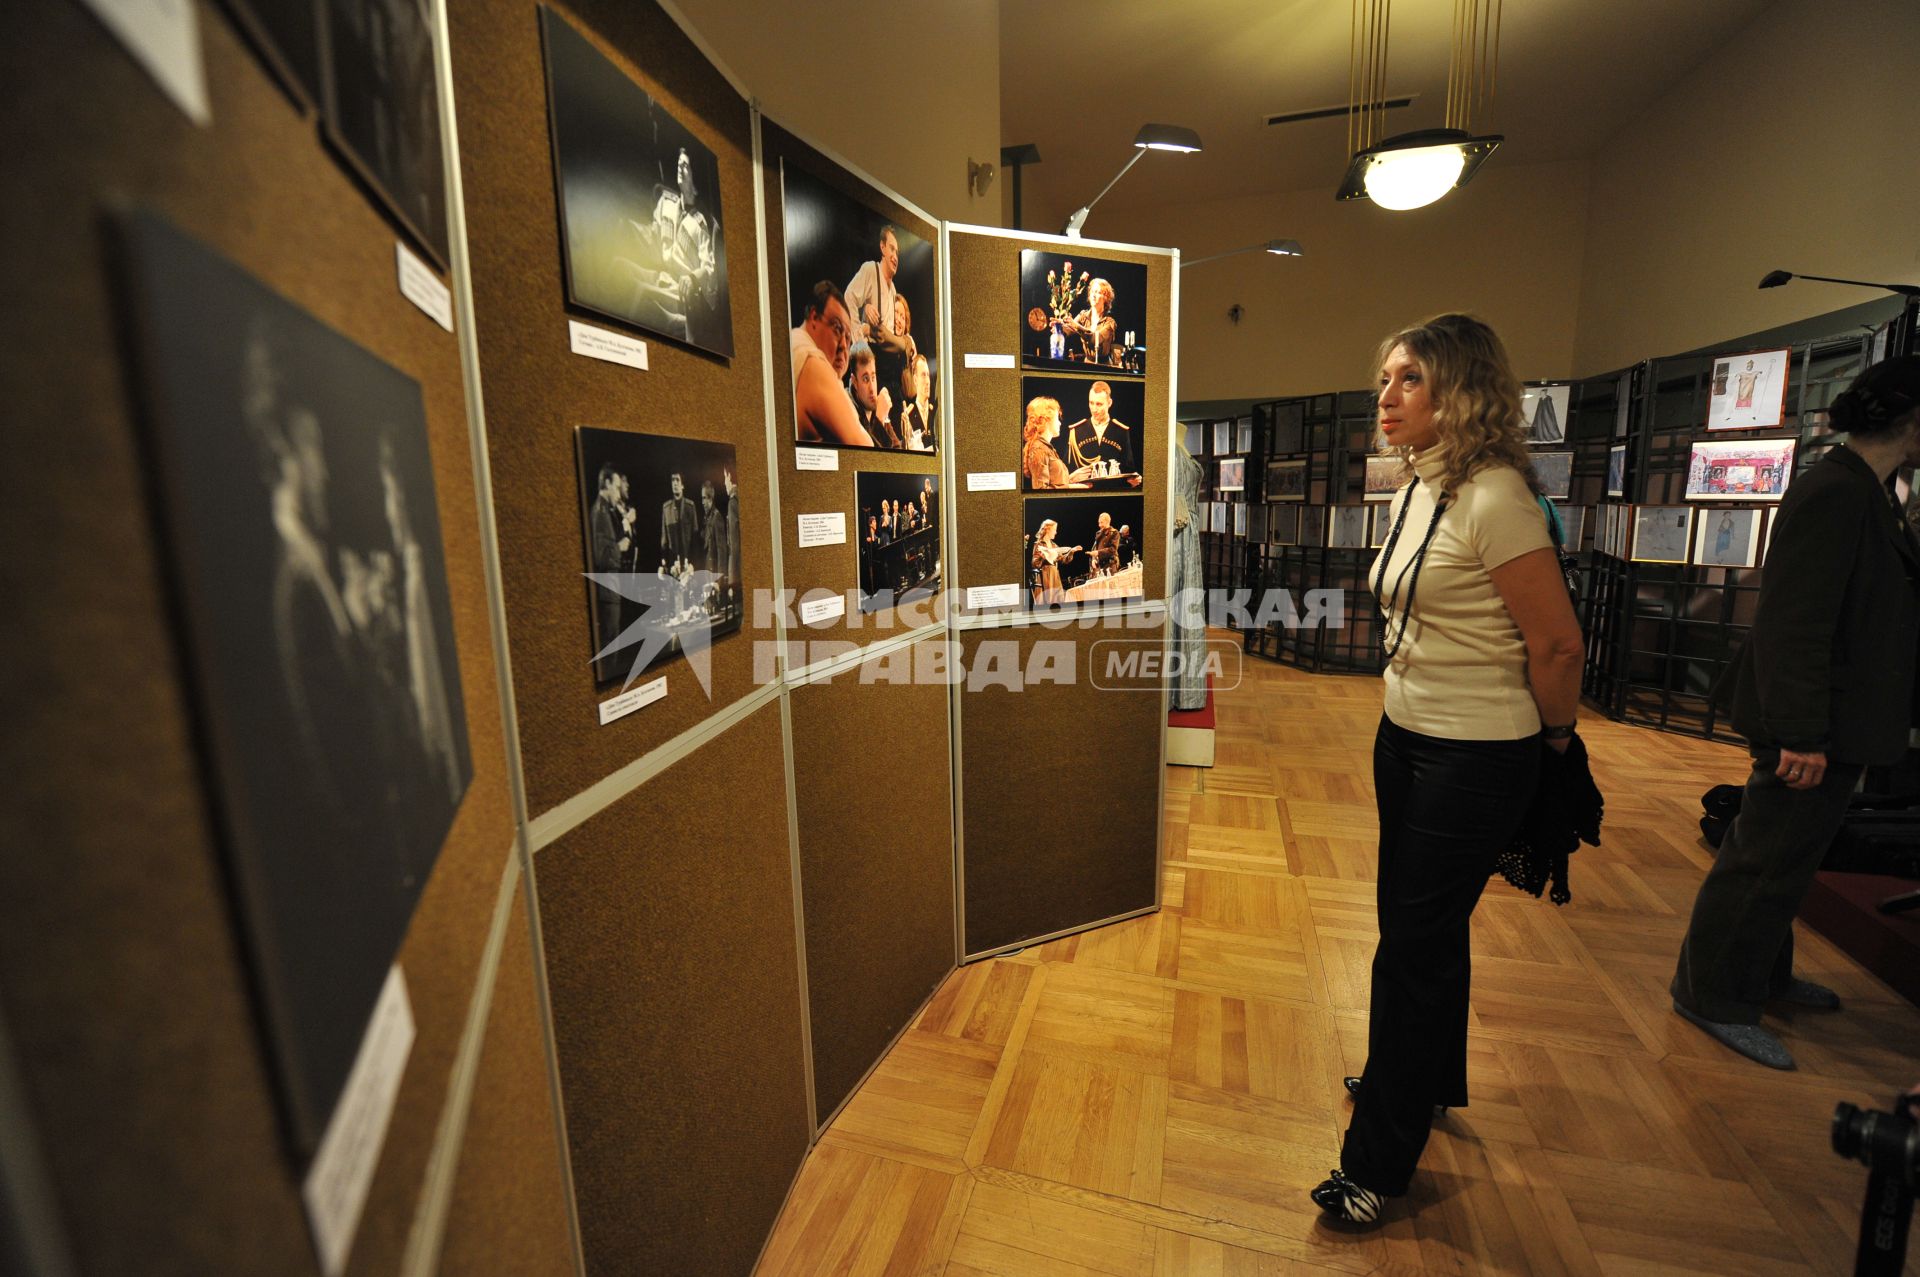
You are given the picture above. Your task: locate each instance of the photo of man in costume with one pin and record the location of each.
(881, 276)
(1081, 434)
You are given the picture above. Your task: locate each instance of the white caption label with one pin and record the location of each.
(975, 360)
(164, 37)
(598, 343)
(823, 529)
(419, 285)
(816, 459)
(992, 596)
(335, 1191)
(818, 610)
(990, 480)
(634, 698)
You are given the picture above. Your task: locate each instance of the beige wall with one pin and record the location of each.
(1507, 246)
(1790, 147)
(908, 107)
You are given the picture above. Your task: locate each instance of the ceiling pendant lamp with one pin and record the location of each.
(1412, 170)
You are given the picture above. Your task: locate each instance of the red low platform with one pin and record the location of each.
(1200, 718)
(1845, 908)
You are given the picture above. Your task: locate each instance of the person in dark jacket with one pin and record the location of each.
(1823, 689)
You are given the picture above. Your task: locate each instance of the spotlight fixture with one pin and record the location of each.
(1278, 247)
(1152, 137)
(1775, 278)
(1412, 170)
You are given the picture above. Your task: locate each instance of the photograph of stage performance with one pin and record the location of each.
(1082, 313)
(1083, 550)
(664, 516)
(898, 520)
(1080, 434)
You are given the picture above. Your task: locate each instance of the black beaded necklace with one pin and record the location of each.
(1391, 640)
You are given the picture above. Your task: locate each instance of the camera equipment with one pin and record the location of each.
(1888, 1144)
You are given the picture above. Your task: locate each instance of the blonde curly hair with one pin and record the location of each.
(1475, 395)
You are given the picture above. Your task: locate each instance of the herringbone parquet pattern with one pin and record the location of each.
(1154, 1098)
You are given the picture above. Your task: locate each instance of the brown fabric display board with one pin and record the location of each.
(831, 568)
(509, 1208)
(872, 772)
(536, 390)
(123, 977)
(988, 412)
(1059, 785)
(668, 925)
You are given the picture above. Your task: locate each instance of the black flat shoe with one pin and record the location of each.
(1341, 1199)
(1353, 1093)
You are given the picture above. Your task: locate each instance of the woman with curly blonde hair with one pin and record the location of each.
(1038, 460)
(1482, 682)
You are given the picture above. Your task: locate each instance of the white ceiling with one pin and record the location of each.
(1079, 77)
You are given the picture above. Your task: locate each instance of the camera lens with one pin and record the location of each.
(1850, 1128)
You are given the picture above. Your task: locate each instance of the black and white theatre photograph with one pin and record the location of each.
(1546, 410)
(662, 521)
(1084, 549)
(864, 327)
(640, 215)
(288, 38)
(297, 495)
(383, 108)
(1083, 313)
(1081, 434)
(897, 517)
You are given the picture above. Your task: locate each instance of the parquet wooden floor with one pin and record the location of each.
(1154, 1098)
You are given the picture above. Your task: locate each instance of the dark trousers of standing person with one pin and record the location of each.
(1739, 946)
(1447, 810)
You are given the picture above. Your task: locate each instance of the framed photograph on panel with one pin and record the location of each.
(1347, 527)
(1660, 533)
(1244, 430)
(1257, 524)
(1622, 529)
(1083, 550)
(1728, 538)
(885, 276)
(1313, 525)
(1239, 518)
(1623, 406)
(1233, 475)
(897, 516)
(1287, 480)
(662, 522)
(1554, 470)
(1748, 392)
(1573, 524)
(294, 478)
(1289, 429)
(1384, 477)
(1195, 438)
(641, 225)
(1222, 517)
(1739, 469)
(1283, 524)
(1546, 411)
(382, 109)
(1222, 438)
(1080, 434)
(1617, 470)
(1382, 525)
(1085, 314)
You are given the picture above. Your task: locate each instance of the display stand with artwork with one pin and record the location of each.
(1097, 553)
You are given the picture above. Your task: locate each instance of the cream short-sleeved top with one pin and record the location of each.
(1461, 671)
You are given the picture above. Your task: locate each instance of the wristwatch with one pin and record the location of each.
(1563, 732)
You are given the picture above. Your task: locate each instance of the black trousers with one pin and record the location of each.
(1739, 945)
(1447, 809)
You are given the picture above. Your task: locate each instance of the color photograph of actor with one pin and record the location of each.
(1100, 445)
(1038, 461)
(822, 348)
(873, 404)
